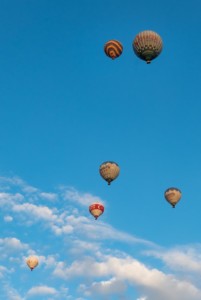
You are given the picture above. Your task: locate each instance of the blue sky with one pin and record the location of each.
(65, 108)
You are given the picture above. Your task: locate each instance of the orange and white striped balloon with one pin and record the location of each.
(113, 49)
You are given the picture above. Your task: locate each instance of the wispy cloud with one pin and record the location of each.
(48, 196)
(61, 221)
(84, 199)
(10, 293)
(4, 271)
(10, 182)
(8, 218)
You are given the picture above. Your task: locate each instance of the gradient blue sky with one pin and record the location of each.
(65, 108)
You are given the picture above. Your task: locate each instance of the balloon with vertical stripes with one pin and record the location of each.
(147, 45)
(113, 49)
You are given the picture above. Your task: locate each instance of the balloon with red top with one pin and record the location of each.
(96, 209)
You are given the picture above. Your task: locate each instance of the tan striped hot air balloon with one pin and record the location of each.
(147, 45)
(96, 209)
(113, 49)
(173, 195)
(32, 262)
(109, 170)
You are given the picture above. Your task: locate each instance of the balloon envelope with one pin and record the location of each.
(113, 49)
(147, 45)
(109, 171)
(32, 262)
(173, 195)
(96, 209)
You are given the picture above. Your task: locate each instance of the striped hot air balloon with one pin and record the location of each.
(147, 45)
(173, 195)
(113, 49)
(96, 209)
(109, 170)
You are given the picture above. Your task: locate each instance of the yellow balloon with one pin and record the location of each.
(109, 170)
(32, 262)
(173, 195)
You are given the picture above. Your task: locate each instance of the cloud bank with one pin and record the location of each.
(80, 258)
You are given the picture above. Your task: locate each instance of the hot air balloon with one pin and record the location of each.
(96, 209)
(147, 45)
(113, 49)
(173, 195)
(109, 170)
(32, 262)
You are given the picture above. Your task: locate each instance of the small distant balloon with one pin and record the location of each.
(109, 171)
(173, 195)
(32, 262)
(96, 209)
(113, 49)
(147, 45)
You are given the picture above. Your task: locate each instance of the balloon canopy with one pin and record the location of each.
(32, 262)
(113, 49)
(109, 171)
(96, 209)
(173, 195)
(147, 45)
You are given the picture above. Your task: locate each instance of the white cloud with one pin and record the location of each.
(79, 247)
(62, 222)
(98, 230)
(59, 230)
(186, 259)
(48, 196)
(50, 292)
(10, 293)
(8, 245)
(34, 211)
(8, 218)
(17, 182)
(3, 271)
(8, 199)
(87, 267)
(102, 288)
(152, 282)
(50, 261)
(41, 290)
